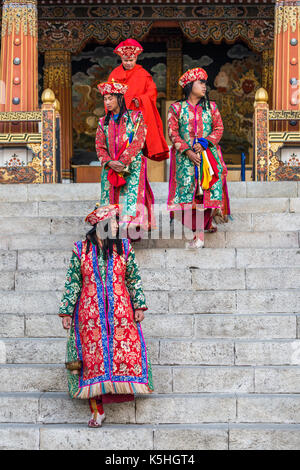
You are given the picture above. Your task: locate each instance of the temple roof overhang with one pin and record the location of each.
(71, 24)
(126, 10)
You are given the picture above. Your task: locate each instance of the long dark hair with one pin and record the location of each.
(204, 101)
(123, 109)
(108, 242)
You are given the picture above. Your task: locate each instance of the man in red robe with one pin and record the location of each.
(141, 95)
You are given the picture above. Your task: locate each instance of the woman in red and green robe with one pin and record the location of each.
(195, 125)
(102, 305)
(120, 138)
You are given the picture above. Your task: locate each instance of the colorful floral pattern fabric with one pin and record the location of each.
(185, 123)
(104, 335)
(192, 75)
(72, 287)
(136, 196)
(107, 88)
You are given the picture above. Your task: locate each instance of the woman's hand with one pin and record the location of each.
(118, 167)
(198, 148)
(139, 315)
(136, 102)
(67, 322)
(194, 157)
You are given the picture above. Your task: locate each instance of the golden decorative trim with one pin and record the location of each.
(20, 138)
(268, 70)
(36, 162)
(275, 146)
(286, 16)
(57, 69)
(261, 133)
(36, 148)
(20, 13)
(21, 116)
(48, 96)
(284, 137)
(283, 115)
(109, 387)
(274, 165)
(261, 96)
(174, 67)
(48, 160)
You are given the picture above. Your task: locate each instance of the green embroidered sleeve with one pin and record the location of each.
(134, 282)
(72, 287)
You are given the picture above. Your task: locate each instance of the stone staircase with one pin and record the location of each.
(222, 328)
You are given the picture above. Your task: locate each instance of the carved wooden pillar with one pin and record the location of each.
(19, 62)
(286, 61)
(174, 66)
(268, 73)
(48, 137)
(261, 135)
(58, 77)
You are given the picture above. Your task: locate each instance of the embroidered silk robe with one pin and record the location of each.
(141, 85)
(185, 122)
(101, 296)
(135, 196)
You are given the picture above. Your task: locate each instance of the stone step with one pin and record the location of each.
(227, 237)
(264, 205)
(172, 351)
(58, 408)
(263, 436)
(241, 222)
(221, 239)
(187, 379)
(167, 379)
(181, 302)
(243, 302)
(228, 258)
(81, 208)
(224, 436)
(114, 437)
(168, 279)
(162, 259)
(265, 326)
(91, 191)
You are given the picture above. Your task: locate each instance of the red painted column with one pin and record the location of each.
(286, 83)
(19, 61)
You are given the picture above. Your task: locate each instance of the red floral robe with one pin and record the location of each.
(101, 296)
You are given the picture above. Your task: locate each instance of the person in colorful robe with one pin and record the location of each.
(197, 188)
(141, 95)
(102, 305)
(120, 138)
